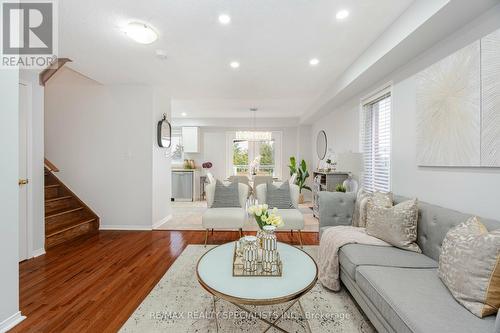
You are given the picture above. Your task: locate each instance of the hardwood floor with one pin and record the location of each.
(94, 283)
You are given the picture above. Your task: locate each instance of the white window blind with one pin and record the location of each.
(376, 143)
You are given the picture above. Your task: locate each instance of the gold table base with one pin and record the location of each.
(271, 324)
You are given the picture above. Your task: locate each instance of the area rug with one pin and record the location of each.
(187, 216)
(179, 304)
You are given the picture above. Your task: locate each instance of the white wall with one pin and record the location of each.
(470, 190)
(37, 154)
(101, 138)
(9, 199)
(161, 180)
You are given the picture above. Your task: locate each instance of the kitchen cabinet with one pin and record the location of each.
(191, 139)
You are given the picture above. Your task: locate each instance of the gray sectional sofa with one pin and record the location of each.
(399, 290)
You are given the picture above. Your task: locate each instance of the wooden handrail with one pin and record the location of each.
(47, 73)
(50, 166)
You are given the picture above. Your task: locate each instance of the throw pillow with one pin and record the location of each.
(279, 197)
(379, 198)
(356, 216)
(396, 225)
(469, 266)
(226, 196)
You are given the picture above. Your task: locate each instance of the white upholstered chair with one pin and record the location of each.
(293, 219)
(225, 218)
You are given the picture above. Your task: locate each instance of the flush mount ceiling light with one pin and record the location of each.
(234, 64)
(314, 62)
(184, 114)
(342, 14)
(140, 32)
(224, 19)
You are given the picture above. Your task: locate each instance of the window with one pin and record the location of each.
(240, 157)
(177, 150)
(241, 153)
(245, 152)
(376, 142)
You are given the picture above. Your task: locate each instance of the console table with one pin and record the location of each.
(325, 181)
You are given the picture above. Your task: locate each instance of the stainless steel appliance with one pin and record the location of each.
(182, 185)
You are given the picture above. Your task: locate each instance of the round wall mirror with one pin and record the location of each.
(321, 145)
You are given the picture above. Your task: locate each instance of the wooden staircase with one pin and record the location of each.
(66, 216)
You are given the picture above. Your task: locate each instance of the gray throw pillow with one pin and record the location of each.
(226, 196)
(396, 225)
(279, 197)
(469, 266)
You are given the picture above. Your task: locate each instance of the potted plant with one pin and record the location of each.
(328, 163)
(302, 175)
(340, 188)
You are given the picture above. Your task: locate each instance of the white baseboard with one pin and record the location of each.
(39, 252)
(12, 321)
(124, 227)
(162, 221)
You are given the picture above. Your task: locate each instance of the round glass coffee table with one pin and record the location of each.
(215, 274)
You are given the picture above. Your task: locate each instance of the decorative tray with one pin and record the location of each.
(238, 270)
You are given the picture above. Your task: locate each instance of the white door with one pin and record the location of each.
(24, 104)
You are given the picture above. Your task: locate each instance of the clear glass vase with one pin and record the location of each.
(260, 235)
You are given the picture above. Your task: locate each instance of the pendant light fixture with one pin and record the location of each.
(253, 135)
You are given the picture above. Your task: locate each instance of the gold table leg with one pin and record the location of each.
(271, 324)
(215, 312)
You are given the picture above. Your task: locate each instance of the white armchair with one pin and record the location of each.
(293, 219)
(225, 217)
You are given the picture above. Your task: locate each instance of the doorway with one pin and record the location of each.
(24, 170)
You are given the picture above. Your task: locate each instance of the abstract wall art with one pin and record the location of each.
(490, 117)
(458, 108)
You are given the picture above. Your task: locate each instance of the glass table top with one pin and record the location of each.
(215, 271)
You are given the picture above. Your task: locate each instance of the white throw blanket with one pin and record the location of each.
(331, 241)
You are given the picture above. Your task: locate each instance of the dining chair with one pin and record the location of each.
(258, 180)
(262, 180)
(239, 179)
(211, 178)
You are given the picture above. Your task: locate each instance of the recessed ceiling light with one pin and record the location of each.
(141, 33)
(184, 114)
(234, 64)
(314, 62)
(224, 19)
(342, 14)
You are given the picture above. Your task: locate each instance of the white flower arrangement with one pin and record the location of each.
(264, 216)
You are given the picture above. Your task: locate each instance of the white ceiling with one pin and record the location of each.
(273, 41)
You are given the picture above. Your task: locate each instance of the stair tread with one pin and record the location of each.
(66, 216)
(71, 227)
(59, 198)
(63, 211)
